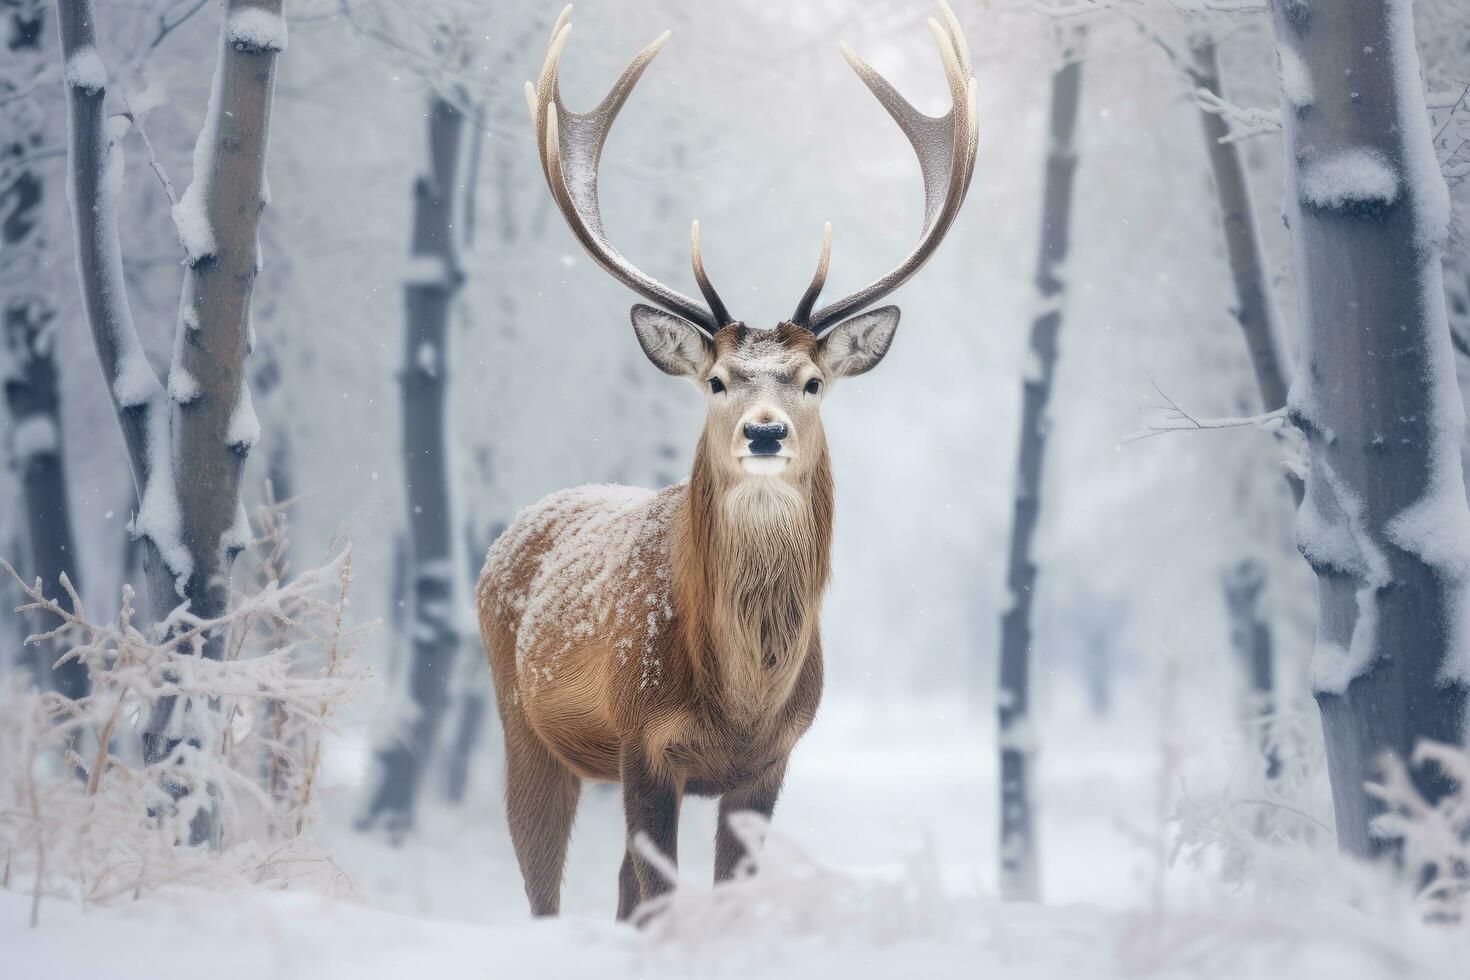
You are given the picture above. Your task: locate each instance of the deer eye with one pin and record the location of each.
(813, 386)
(716, 386)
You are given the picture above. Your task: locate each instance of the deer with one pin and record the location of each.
(669, 641)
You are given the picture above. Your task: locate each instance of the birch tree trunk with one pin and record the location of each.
(1019, 872)
(1385, 524)
(186, 441)
(28, 358)
(433, 637)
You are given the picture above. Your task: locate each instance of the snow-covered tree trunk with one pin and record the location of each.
(27, 352)
(1385, 524)
(433, 635)
(1019, 872)
(187, 439)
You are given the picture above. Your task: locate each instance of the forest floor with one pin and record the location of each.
(885, 840)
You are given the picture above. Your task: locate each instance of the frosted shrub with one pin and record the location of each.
(82, 817)
(1269, 832)
(781, 893)
(1432, 836)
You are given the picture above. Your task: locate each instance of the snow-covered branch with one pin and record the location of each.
(1247, 122)
(94, 181)
(1177, 419)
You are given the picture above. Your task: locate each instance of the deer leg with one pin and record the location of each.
(540, 802)
(628, 892)
(757, 796)
(651, 806)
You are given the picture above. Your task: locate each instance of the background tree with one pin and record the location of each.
(1020, 873)
(28, 317)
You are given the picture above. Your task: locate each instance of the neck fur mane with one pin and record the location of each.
(752, 572)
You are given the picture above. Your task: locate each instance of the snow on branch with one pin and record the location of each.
(82, 819)
(1245, 122)
(1177, 419)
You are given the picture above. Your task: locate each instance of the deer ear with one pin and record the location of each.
(673, 344)
(857, 344)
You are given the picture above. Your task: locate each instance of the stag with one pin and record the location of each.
(669, 641)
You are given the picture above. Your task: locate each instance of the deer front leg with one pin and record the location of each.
(651, 806)
(757, 796)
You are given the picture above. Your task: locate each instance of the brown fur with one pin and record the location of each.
(732, 680)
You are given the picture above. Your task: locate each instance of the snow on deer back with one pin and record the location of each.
(581, 581)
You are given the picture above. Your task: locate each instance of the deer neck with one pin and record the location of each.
(754, 569)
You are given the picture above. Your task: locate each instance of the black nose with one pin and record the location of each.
(767, 430)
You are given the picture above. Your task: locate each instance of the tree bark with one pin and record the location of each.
(1019, 873)
(1385, 524)
(433, 636)
(186, 444)
(28, 369)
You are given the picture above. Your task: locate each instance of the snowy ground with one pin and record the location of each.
(871, 794)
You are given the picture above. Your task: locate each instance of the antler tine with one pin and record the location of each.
(705, 286)
(819, 279)
(945, 146)
(570, 146)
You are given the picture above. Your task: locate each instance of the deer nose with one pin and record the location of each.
(765, 437)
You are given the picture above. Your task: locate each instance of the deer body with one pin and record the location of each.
(669, 641)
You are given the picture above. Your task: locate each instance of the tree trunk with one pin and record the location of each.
(28, 369)
(186, 443)
(1250, 637)
(1019, 873)
(1254, 309)
(433, 637)
(1256, 314)
(1385, 524)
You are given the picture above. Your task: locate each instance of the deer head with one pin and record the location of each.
(764, 387)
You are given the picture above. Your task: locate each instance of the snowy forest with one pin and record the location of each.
(1116, 624)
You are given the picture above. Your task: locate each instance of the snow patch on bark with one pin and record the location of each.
(239, 535)
(191, 223)
(33, 436)
(191, 214)
(244, 428)
(135, 384)
(85, 70)
(182, 387)
(1296, 80)
(1353, 178)
(160, 517)
(1332, 533)
(256, 31)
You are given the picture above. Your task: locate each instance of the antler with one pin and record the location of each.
(945, 146)
(570, 145)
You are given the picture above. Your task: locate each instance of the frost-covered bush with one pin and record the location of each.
(1432, 836)
(781, 893)
(81, 816)
(1269, 827)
